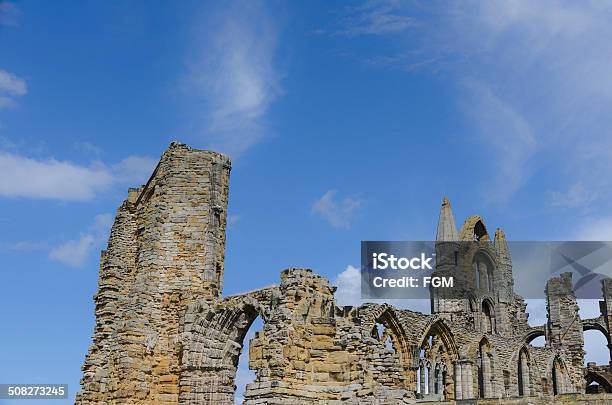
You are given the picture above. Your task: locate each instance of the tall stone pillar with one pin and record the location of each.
(458, 386)
(422, 379)
(466, 380)
(470, 381)
(431, 380)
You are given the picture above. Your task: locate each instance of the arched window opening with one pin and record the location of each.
(483, 272)
(488, 317)
(594, 388)
(597, 382)
(480, 231)
(483, 275)
(381, 333)
(486, 373)
(596, 347)
(244, 375)
(523, 373)
(558, 377)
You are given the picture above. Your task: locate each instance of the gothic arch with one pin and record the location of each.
(597, 377)
(439, 328)
(559, 376)
(212, 340)
(534, 333)
(388, 318)
(488, 316)
(523, 374)
(596, 324)
(486, 369)
(437, 355)
(474, 229)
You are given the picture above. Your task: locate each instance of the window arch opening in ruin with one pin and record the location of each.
(381, 333)
(388, 331)
(523, 374)
(597, 383)
(488, 314)
(480, 231)
(559, 377)
(244, 375)
(437, 351)
(483, 272)
(596, 347)
(486, 371)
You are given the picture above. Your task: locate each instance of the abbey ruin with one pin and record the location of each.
(164, 333)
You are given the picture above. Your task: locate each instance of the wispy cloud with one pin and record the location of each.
(9, 13)
(338, 213)
(576, 196)
(375, 17)
(75, 252)
(234, 75)
(11, 86)
(22, 176)
(533, 79)
(506, 134)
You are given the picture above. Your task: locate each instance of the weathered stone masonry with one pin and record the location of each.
(165, 335)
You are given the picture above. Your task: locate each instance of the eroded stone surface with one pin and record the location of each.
(165, 335)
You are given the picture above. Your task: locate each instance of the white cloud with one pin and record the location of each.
(134, 170)
(234, 76)
(338, 214)
(376, 18)
(349, 287)
(53, 179)
(75, 252)
(10, 86)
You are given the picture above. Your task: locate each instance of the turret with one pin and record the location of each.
(447, 231)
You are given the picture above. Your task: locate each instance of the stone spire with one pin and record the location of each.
(447, 230)
(501, 245)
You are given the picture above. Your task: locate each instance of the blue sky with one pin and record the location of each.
(345, 122)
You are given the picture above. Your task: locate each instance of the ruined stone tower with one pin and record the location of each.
(165, 251)
(164, 333)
